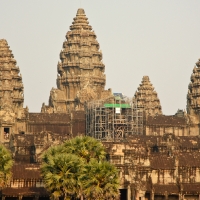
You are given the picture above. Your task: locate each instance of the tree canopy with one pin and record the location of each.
(6, 164)
(78, 168)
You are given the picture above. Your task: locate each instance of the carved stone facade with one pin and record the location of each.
(147, 99)
(163, 162)
(81, 75)
(158, 167)
(150, 167)
(12, 113)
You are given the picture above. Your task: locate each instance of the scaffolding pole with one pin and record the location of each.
(113, 120)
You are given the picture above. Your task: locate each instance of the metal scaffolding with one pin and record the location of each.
(113, 119)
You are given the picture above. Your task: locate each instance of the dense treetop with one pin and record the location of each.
(78, 168)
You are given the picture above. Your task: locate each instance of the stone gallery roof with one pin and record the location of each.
(15, 192)
(188, 189)
(166, 120)
(56, 117)
(185, 159)
(49, 117)
(26, 171)
(189, 159)
(162, 162)
(162, 188)
(191, 188)
(189, 141)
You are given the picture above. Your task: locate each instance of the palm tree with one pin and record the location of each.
(61, 173)
(101, 181)
(6, 164)
(85, 147)
(77, 168)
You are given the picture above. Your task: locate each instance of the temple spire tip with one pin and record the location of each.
(80, 11)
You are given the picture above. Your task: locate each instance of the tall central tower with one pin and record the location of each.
(81, 75)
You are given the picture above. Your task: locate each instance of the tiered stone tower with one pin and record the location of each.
(11, 91)
(193, 97)
(146, 98)
(81, 75)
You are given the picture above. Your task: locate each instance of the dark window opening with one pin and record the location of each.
(155, 148)
(6, 133)
(108, 157)
(7, 130)
(32, 150)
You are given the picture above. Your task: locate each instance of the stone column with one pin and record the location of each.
(152, 196)
(132, 193)
(166, 195)
(181, 196)
(128, 193)
(36, 197)
(1, 134)
(142, 195)
(136, 195)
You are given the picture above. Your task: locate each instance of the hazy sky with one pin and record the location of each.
(157, 38)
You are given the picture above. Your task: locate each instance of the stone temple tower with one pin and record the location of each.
(193, 96)
(146, 98)
(11, 92)
(81, 75)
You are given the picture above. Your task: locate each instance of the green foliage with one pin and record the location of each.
(101, 181)
(86, 148)
(61, 173)
(78, 169)
(6, 164)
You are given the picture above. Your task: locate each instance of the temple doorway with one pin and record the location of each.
(159, 197)
(28, 198)
(44, 198)
(191, 197)
(123, 194)
(147, 196)
(11, 198)
(173, 197)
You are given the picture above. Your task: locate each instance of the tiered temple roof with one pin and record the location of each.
(11, 86)
(81, 75)
(146, 98)
(193, 97)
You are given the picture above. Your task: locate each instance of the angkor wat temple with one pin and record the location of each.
(158, 156)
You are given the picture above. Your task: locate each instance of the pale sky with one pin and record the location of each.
(157, 38)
